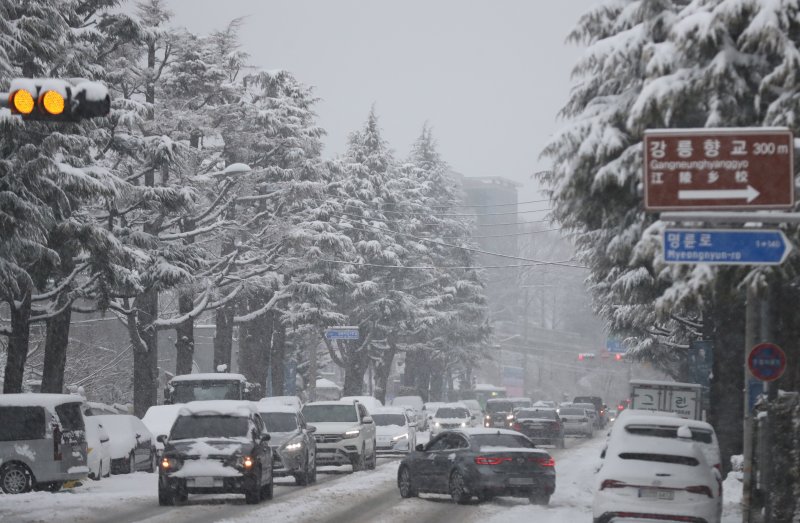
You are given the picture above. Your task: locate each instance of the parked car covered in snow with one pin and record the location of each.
(98, 449)
(294, 449)
(132, 444)
(42, 441)
(159, 419)
(395, 430)
(216, 447)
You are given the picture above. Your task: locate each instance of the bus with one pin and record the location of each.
(485, 391)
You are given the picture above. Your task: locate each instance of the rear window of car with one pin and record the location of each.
(699, 435)
(22, 423)
(597, 402)
(660, 458)
(573, 412)
(69, 414)
(502, 440)
(499, 406)
(448, 412)
(192, 427)
(537, 414)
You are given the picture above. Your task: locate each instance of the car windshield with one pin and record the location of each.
(330, 413)
(191, 427)
(521, 404)
(383, 420)
(573, 412)
(699, 435)
(586, 399)
(499, 406)
(186, 391)
(502, 440)
(279, 421)
(538, 414)
(450, 412)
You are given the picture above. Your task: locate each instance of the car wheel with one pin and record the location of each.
(15, 478)
(539, 498)
(252, 494)
(166, 497)
(108, 469)
(301, 478)
(313, 470)
(359, 460)
(373, 462)
(458, 489)
(267, 491)
(153, 461)
(128, 465)
(405, 484)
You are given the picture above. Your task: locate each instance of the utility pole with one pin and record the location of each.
(751, 333)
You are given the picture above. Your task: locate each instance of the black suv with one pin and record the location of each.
(499, 413)
(597, 401)
(216, 447)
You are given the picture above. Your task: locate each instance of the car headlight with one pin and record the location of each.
(487, 417)
(170, 464)
(437, 424)
(244, 462)
(510, 417)
(398, 438)
(297, 445)
(352, 433)
(464, 424)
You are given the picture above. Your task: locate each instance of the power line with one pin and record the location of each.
(460, 204)
(448, 215)
(500, 235)
(433, 267)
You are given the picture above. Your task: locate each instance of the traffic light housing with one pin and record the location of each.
(57, 100)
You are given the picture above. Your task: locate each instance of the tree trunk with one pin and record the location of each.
(223, 337)
(437, 381)
(356, 367)
(277, 354)
(383, 369)
(184, 333)
(18, 344)
(55, 349)
(145, 359)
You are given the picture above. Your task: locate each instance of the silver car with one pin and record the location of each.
(294, 449)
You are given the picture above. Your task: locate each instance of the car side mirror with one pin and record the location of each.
(367, 420)
(420, 447)
(311, 429)
(162, 438)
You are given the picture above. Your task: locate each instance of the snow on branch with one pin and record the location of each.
(63, 285)
(270, 305)
(171, 323)
(194, 232)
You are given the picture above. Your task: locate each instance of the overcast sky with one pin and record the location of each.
(490, 76)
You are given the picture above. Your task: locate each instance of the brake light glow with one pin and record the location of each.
(491, 460)
(517, 426)
(700, 489)
(612, 483)
(544, 462)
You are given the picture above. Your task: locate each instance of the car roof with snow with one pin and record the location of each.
(236, 408)
(329, 402)
(29, 399)
(478, 431)
(270, 408)
(210, 376)
(389, 410)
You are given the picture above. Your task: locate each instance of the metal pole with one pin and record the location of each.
(765, 475)
(525, 341)
(752, 313)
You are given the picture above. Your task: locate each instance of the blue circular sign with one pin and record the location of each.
(766, 361)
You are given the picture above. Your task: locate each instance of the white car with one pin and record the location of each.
(368, 401)
(449, 416)
(98, 456)
(345, 433)
(395, 430)
(475, 410)
(285, 401)
(132, 444)
(428, 409)
(577, 421)
(415, 403)
(159, 420)
(645, 478)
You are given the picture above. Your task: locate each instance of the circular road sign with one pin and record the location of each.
(766, 361)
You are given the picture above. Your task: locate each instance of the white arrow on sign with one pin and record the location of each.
(749, 194)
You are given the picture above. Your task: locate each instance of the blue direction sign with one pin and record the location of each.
(726, 246)
(341, 333)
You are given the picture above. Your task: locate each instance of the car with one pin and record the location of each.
(94, 408)
(159, 419)
(98, 451)
(42, 442)
(395, 429)
(345, 433)
(475, 412)
(545, 403)
(540, 425)
(449, 416)
(591, 410)
(666, 425)
(478, 462)
(287, 401)
(644, 478)
(368, 401)
(577, 421)
(132, 444)
(427, 412)
(216, 447)
(294, 449)
(415, 402)
(519, 403)
(499, 413)
(601, 407)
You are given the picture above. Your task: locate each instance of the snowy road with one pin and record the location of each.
(338, 497)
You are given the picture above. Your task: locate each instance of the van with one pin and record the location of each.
(42, 442)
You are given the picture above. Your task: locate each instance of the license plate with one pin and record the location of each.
(204, 482)
(654, 493)
(520, 481)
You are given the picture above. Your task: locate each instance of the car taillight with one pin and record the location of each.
(490, 460)
(700, 489)
(612, 483)
(544, 462)
(516, 426)
(620, 407)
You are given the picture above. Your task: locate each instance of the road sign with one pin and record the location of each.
(726, 246)
(614, 346)
(341, 333)
(714, 169)
(766, 361)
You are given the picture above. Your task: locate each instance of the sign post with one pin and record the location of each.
(725, 168)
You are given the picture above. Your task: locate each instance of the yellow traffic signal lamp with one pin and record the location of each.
(56, 100)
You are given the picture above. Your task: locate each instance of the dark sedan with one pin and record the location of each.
(541, 425)
(479, 462)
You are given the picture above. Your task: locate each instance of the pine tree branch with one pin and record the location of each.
(195, 232)
(171, 323)
(270, 305)
(63, 285)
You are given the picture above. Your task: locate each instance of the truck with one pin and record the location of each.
(684, 399)
(184, 388)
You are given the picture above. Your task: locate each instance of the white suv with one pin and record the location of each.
(345, 433)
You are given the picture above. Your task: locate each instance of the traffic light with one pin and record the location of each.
(56, 100)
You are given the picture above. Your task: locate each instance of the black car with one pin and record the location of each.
(499, 413)
(541, 425)
(216, 447)
(479, 462)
